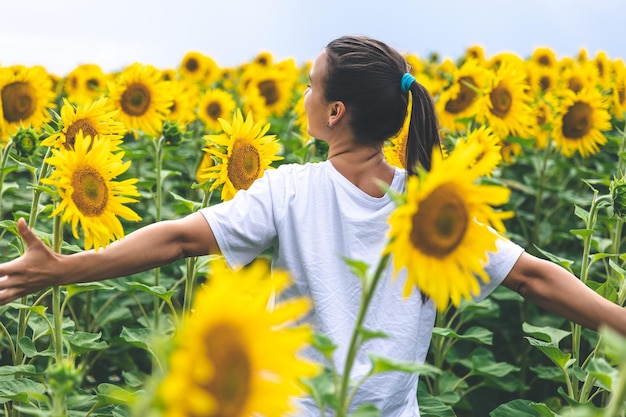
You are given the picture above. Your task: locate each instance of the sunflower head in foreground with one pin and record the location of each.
(440, 234)
(85, 180)
(234, 356)
(243, 153)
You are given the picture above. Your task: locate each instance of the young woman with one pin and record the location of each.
(315, 214)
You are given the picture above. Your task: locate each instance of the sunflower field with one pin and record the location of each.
(88, 156)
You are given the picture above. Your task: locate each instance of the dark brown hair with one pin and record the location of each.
(365, 75)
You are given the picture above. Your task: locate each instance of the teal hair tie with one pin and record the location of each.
(406, 81)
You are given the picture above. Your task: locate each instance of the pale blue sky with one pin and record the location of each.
(61, 34)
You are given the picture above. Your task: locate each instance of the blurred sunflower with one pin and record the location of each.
(142, 97)
(502, 58)
(92, 119)
(184, 102)
(505, 102)
(444, 248)
(84, 178)
(476, 52)
(541, 79)
(199, 68)
(205, 163)
(544, 56)
(581, 118)
(269, 91)
(85, 83)
(488, 149)
(26, 96)
(395, 148)
(459, 100)
(243, 152)
(301, 120)
(618, 91)
(603, 68)
(577, 77)
(234, 356)
(213, 105)
(543, 110)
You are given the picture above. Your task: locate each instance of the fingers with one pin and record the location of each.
(26, 233)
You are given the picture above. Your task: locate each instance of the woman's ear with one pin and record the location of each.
(336, 113)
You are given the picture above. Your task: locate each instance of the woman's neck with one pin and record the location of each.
(364, 166)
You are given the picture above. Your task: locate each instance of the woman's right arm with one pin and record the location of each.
(146, 248)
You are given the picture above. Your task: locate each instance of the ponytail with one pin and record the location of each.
(423, 135)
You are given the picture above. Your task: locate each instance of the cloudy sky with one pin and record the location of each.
(61, 34)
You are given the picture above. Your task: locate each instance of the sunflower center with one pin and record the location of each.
(545, 83)
(501, 100)
(18, 101)
(192, 65)
(93, 84)
(621, 94)
(91, 193)
(464, 99)
(230, 385)
(269, 90)
(575, 84)
(135, 99)
(440, 223)
(244, 164)
(545, 60)
(74, 128)
(577, 121)
(214, 110)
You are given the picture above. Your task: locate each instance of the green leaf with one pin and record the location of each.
(190, 205)
(324, 344)
(431, 406)
(604, 373)
(613, 345)
(82, 342)
(19, 389)
(113, 394)
(74, 289)
(522, 408)
(367, 334)
(322, 388)
(565, 263)
(365, 410)
(8, 370)
(28, 348)
(581, 213)
(483, 363)
(358, 268)
(382, 364)
(142, 338)
(582, 232)
(561, 359)
(474, 334)
(546, 333)
(158, 291)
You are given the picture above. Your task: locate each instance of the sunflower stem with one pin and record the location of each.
(355, 342)
(58, 399)
(3, 163)
(158, 159)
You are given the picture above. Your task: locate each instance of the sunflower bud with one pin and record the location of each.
(172, 133)
(63, 378)
(26, 141)
(618, 196)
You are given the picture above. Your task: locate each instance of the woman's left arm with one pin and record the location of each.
(553, 288)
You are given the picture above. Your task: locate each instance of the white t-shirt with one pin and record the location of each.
(313, 217)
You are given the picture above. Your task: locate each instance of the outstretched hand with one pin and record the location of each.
(32, 271)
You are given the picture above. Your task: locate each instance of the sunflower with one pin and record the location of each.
(199, 68)
(543, 110)
(91, 119)
(143, 98)
(85, 83)
(544, 56)
(577, 77)
(244, 153)
(271, 87)
(618, 91)
(505, 102)
(488, 149)
(395, 148)
(301, 121)
(459, 100)
(541, 79)
(581, 118)
(184, 102)
(205, 163)
(26, 95)
(476, 52)
(440, 235)
(214, 105)
(84, 178)
(234, 356)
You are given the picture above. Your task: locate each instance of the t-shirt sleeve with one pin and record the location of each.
(499, 264)
(244, 226)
